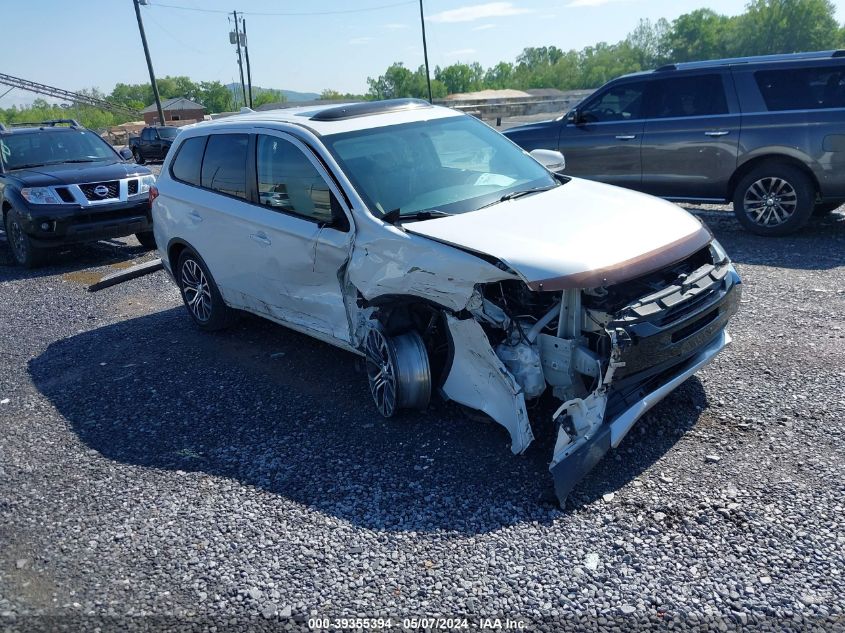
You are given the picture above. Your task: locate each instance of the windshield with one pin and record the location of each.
(456, 164)
(168, 133)
(50, 147)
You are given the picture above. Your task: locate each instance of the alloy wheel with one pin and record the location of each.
(196, 290)
(381, 372)
(770, 201)
(17, 239)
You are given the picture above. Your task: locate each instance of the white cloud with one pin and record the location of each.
(395, 26)
(360, 40)
(474, 12)
(483, 27)
(460, 52)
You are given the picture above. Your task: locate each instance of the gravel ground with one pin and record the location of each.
(153, 476)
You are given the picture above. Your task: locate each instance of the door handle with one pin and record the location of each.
(718, 133)
(261, 238)
(626, 137)
(194, 215)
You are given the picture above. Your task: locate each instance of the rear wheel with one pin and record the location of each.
(774, 199)
(146, 239)
(138, 158)
(200, 293)
(24, 252)
(398, 371)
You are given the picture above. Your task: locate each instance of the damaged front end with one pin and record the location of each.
(607, 354)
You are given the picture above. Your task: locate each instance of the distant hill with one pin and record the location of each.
(292, 95)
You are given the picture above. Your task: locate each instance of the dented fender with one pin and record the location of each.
(478, 379)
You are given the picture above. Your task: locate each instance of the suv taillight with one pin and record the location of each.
(153, 194)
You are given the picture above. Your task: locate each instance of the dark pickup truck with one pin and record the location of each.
(62, 185)
(153, 144)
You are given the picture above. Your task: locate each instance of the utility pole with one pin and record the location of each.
(425, 52)
(248, 71)
(149, 61)
(240, 59)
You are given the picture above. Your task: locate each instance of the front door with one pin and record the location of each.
(604, 142)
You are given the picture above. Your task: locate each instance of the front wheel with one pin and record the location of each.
(24, 252)
(774, 199)
(200, 294)
(398, 371)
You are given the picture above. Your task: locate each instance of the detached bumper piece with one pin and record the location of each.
(58, 226)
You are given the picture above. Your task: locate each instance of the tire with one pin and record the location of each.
(825, 208)
(398, 371)
(138, 158)
(146, 239)
(774, 199)
(24, 252)
(200, 294)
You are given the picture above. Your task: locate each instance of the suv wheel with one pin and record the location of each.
(200, 293)
(398, 371)
(138, 158)
(774, 199)
(23, 250)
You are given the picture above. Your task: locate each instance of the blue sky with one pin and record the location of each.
(85, 43)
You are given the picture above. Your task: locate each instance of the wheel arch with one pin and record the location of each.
(174, 250)
(782, 159)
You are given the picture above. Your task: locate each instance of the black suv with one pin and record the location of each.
(64, 184)
(767, 133)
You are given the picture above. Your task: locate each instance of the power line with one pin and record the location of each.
(288, 13)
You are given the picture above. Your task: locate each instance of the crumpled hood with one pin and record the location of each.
(582, 234)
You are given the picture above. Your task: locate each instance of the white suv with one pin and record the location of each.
(423, 240)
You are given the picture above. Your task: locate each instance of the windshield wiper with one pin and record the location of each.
(396, 215)
(77, 160)
(27, 166)
(513, 195)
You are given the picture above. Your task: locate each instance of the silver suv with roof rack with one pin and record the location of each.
(452, 261)
(765, 133)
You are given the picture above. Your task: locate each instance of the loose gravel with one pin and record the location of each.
(153, 476)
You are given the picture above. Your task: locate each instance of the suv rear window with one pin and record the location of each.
(802, 88)
(699, 95)
(186, 165)
(224, 164)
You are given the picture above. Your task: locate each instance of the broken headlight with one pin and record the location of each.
(718, 253)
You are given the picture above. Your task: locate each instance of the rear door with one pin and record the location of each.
(691, 138)
(604, 144)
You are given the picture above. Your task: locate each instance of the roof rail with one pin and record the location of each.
(51, 123)
(783, 57)
(367, 108)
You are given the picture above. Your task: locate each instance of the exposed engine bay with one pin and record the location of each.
(606, 354)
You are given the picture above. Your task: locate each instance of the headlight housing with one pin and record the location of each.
(40, 195)
(718, 253)
(145, 182)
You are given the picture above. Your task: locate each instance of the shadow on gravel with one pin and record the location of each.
(276, 410)
(818, 246)
(70, 259)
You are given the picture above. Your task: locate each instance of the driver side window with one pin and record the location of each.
(289, 182)
(619, 103)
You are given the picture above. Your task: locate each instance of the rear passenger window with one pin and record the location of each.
(699, 95)
(802, 88)
(289, 182)
(224, 164)
(186, 165)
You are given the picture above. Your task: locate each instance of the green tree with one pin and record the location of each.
(215, 97)
(649, 42)
(460, 77)
(264, 97)
(701, 34)
(787, 26)
(398, 81)
(499, 76)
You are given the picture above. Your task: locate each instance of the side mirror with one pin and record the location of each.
(575, 117)
(549, 158)
(125, 153)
